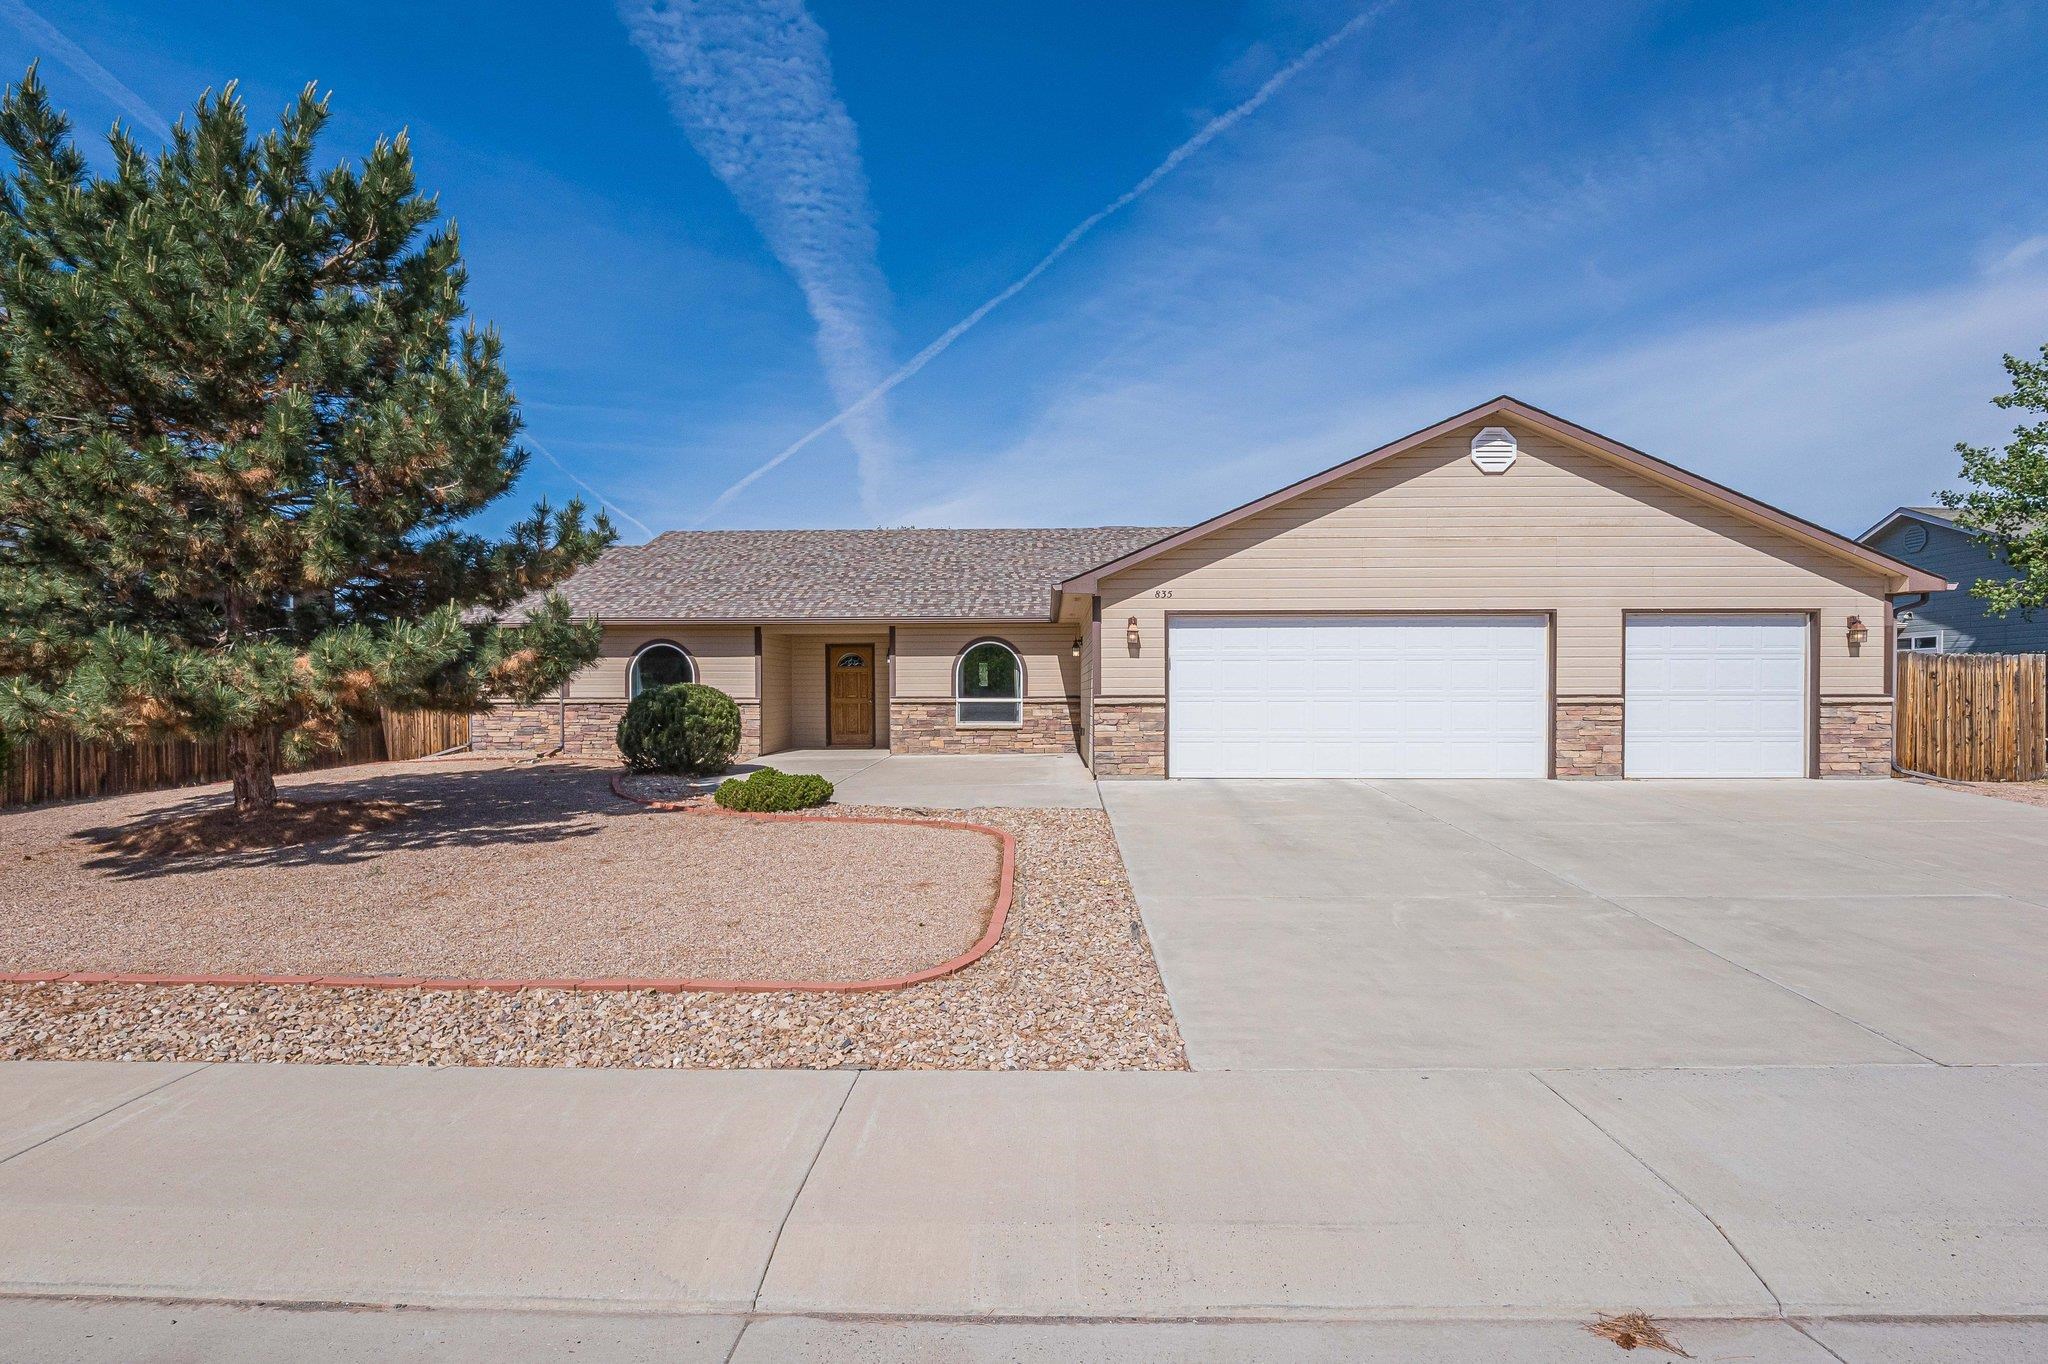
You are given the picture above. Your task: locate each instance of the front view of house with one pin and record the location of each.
(1503, 594)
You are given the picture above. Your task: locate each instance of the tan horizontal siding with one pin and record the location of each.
(724, 656)
(925, 655)
(1562, 530)
(775, 712)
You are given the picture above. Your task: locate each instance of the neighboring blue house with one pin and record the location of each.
(1953, 622)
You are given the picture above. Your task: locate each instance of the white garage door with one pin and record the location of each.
(1358, 696)
(1715, 696)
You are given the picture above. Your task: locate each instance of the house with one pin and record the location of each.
(1502, 594)
(1952, 622)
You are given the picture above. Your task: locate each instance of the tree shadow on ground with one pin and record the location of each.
(473, 808)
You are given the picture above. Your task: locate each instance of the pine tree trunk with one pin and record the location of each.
(255, 782)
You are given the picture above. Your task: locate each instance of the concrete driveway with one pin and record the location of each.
(1340, 925)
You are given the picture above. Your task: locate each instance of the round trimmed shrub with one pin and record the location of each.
(772, 790)
(684, 728)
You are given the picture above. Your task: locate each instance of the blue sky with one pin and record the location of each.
(1781, 244)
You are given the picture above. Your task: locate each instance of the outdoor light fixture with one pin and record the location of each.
(1858, 632)
(1077, 646)
(1131, 633)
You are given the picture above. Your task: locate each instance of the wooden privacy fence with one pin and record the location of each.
(422, 733)
(1973, 717)
(64, 768)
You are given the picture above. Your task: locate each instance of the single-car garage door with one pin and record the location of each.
(1358, 696)
(1715, 696)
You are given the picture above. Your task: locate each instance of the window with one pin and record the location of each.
(1919, 644)
(988, 685)
(659, 665)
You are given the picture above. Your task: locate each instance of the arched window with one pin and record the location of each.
(659, 665)
(988, 685)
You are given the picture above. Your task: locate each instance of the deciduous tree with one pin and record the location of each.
(2007, 502)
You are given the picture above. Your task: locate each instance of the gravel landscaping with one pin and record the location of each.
(1071, 985)
(582, 885)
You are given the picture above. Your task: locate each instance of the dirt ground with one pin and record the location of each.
(2021, 792)
(495, 872)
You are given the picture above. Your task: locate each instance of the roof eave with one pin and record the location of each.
(856, 618)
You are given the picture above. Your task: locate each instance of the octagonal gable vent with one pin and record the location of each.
(1914, 540)
(1493, 450)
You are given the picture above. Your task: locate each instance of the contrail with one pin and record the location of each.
(750, 81)
(75, 57)
(602, 500)
(1208, 133)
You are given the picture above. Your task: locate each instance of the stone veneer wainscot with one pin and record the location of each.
(1856, 738)
(929, 727)
(1588, 739)
(582, 729)
(1130, 738)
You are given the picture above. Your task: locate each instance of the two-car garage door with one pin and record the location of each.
(1469, 696)
(1358, 696)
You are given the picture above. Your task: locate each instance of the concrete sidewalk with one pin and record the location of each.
(779, 1201)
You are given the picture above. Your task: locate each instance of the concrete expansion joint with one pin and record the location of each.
(1686, 1198)
(768, 1260)
(197, 1067)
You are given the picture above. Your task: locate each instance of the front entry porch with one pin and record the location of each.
(825, 687)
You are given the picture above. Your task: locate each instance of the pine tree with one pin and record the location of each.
(244, 415)
(2008, 506)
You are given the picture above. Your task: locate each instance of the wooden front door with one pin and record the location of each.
(850, 695)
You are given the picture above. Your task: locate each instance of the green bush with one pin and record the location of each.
(685, 728)
(769, 789)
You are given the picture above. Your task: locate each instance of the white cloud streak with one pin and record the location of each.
(1208, 133)
(81, 64)
(578, 480)
(750, 81)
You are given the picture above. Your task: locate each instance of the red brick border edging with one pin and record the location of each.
(998, 914)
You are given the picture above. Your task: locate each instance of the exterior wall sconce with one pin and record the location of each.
(1858, 632)
(1077, 646)
(1131, 633)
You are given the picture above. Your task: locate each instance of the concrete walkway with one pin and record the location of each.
(943, 781)
(1305, 1213)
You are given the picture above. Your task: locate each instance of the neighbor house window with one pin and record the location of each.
(989, 685)
(1920, 644)
(659, 665)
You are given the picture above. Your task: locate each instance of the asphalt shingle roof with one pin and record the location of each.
(845, 574)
